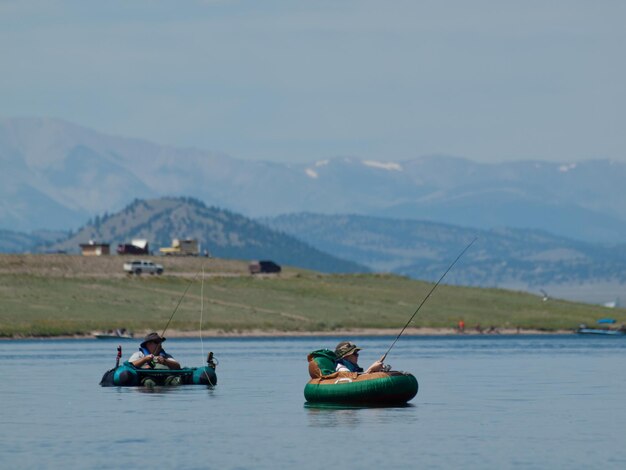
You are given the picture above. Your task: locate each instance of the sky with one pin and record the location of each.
(299, 81)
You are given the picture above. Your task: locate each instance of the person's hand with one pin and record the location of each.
(376, 367)
(160, 359)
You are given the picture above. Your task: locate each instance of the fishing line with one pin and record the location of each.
(159, 347)
(180, 301)
(201, 339)
(426, 298)
(201, 311)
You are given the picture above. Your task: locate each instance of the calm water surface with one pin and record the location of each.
(483, 402)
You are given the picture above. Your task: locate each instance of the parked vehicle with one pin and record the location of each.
(138, 267)
(130, 249)
(260, 267)
(138, 246)
(187, 247)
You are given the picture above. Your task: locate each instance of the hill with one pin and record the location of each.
(51, 295)
(517, 259)
(21, 242)
(222, 233)
(57, 174)
(529, 260)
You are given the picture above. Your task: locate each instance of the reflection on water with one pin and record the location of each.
(333, 406)
(333, 418)
(330, 415)
(492, 402)
(183, 390)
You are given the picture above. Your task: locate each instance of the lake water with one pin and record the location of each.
(483, 402)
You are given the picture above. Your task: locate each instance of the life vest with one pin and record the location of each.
(152, 364)
(161, 352)
(351, 366)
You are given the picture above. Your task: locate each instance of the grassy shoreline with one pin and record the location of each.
(359, 333)
(73, 296)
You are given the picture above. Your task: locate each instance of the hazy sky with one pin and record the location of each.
(306, 80)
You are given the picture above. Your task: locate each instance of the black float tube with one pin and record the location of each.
(426, 298)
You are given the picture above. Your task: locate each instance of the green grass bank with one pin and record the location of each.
(58, 295)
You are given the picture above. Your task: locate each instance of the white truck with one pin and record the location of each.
(137, 267)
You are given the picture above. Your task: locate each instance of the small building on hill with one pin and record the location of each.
(95, 249)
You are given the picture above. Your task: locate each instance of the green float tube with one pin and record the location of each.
(326, 386)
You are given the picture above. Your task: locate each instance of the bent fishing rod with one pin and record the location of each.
(426, 298)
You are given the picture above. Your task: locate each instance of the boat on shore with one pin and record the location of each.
(600, 331)
(115, 334)
(585, 330)
(110, 336)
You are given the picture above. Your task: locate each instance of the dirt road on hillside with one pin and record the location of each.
(64, 265)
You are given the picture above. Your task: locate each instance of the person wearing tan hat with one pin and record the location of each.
(348, 359)
(152, 355)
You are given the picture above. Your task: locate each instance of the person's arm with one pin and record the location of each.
(142, 361)
(168, 361)
(376, 366)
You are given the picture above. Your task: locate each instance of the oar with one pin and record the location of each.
(426, 298)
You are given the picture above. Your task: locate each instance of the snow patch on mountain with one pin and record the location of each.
(566, 168)
(390, 166)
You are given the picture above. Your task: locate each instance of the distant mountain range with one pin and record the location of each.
(55, 175)
(20, 242)
(526, 259)
(520, 259)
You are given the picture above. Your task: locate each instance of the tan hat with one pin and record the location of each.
(152, 337)
(345, 348)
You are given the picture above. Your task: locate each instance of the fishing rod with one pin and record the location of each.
(158, 348)
(179, 302)
(426, 298)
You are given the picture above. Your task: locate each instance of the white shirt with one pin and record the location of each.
(340, 367)
(140, 355)
(136, 355)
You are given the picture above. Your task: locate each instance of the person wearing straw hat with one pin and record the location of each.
(348, 359)
(151, 355)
